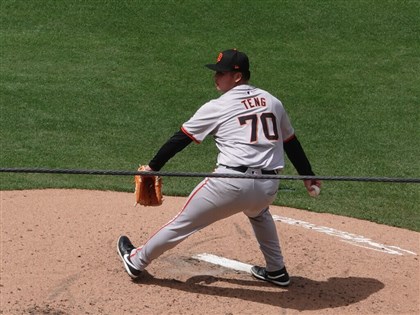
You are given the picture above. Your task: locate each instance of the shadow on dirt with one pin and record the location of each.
(301, 294)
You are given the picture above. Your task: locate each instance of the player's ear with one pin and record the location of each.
(237, 76)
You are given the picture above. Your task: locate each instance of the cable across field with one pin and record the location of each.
(198, 174)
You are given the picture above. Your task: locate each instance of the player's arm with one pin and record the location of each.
(174, 145)
(182, 138)
(297, 156)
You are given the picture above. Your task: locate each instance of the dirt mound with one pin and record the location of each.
(58, 256)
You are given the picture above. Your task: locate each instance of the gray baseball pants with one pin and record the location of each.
(215, 199)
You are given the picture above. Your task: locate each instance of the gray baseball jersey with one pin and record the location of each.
(249, 126)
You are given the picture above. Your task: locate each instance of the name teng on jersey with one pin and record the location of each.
(254, 102)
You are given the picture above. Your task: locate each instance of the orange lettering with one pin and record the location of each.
(244, 102)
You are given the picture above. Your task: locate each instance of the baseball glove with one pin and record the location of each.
(148, 189)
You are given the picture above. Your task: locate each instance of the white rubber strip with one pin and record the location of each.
(224, 262)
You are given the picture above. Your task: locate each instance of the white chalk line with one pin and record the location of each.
(224, 262)
(352, 239)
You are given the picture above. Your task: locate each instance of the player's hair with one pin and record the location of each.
(246, 75)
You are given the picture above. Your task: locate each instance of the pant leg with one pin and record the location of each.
(212, 200)
(266, 234)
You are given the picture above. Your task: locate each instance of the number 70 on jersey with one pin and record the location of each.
(268, 122)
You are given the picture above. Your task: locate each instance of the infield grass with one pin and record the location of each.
(103, 84)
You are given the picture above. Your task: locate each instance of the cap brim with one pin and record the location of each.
(217, 67)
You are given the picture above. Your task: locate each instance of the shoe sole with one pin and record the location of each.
(127, 268)
(281, 284)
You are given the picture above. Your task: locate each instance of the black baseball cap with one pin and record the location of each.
(231, 60)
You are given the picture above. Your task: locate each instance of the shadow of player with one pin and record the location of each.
(301, 294)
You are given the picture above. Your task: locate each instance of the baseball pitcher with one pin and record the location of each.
(252, 131)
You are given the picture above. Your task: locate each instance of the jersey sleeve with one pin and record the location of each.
(286, 127)
(203, 122)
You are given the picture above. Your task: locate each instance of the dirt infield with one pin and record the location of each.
(58, 256)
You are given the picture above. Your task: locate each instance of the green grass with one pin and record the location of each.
(102, 84)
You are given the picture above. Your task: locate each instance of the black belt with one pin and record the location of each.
(243, 169)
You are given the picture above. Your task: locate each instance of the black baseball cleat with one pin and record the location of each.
(124, 248)
(279, 277)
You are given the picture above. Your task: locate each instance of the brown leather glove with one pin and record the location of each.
(148, 189)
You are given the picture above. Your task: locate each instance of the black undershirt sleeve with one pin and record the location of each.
(298, 157)
(175, 144)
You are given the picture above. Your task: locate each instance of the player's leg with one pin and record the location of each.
(212, 200)
(266, 234)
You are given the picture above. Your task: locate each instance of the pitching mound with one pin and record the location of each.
(58, 256)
